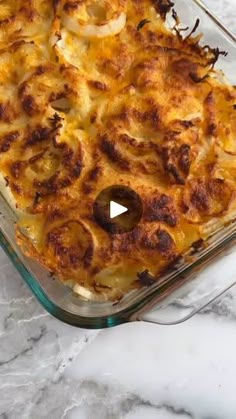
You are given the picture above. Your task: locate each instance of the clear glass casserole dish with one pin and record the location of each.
(180, 292)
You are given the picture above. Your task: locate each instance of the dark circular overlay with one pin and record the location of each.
(125, 222)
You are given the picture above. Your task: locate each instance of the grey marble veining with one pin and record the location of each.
(136, 371)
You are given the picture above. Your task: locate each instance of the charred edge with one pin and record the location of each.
(197, 23)
(211, 121)
(184, 158)
(198, 245)
(177, 162)
(39, 135)
(161, 209)
(145, 278)
(161, 242)
(73, 167)
(88, 256)
(98, 85)
(196, 79)
(7, 180)
(216, 52)
(179, 31)
(165, 243)
(175, 16)
(142, 23)
(109, 148)
(56, 120)
(70, 5)
(7, 140)
(163, 7)
(29, 105)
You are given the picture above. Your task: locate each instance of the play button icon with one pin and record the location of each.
(117, 209)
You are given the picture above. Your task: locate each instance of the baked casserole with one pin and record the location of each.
(96, 93)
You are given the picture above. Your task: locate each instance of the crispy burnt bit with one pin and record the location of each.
(210, 111)
(7, 180)
(28, 102)
(196, 25)
(55, 4)
(7, 21)
(197, 79)
(206, 197)
(184, 159)
(142, 23)
(41, 133)
(179, 31)
(55, 214)
(16, 188)
(199, 198)
(91, 179)
(71, 244)
(109, 148)
(197, 65)
(211, 57)
(151, 116)
(197, 246)
(38, 135)
(161, 242)
(214, 54)
(71, 5)
(126, 242)
(166, 245)
(70, 170)
(177, 162)
(176, 27)
(145, 279)
(98, 85)
(7, 140)
(29, 105)
(187, 69)
(186, 123)
(163, 7)
(161, 208)
(62, 94)
(56, 120)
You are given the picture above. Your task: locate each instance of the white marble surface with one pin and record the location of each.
(136, 371)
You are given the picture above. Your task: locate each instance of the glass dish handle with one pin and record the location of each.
(200, 287)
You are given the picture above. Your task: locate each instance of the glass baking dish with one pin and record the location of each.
(183, 290)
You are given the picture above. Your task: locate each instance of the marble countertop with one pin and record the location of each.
(135, 371)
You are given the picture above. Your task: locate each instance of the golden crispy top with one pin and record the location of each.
(95, 93)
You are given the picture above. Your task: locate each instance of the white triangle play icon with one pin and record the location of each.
(116, 209)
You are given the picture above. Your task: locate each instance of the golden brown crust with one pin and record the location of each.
(80, 111)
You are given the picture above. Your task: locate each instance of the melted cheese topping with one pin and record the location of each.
(95, 93)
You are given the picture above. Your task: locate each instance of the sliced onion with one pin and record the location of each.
(87, 294)
(113, 27)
